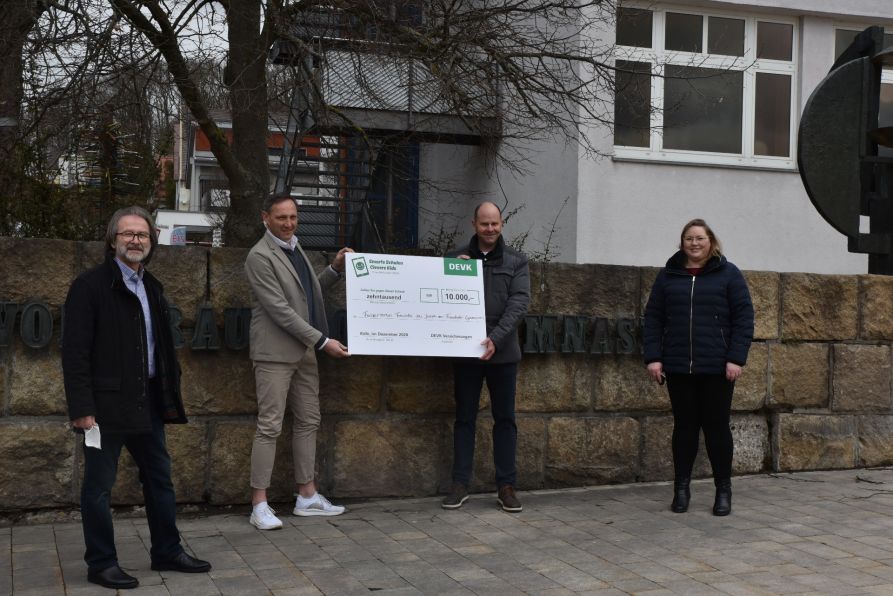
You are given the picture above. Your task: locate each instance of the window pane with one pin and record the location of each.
(632, 104)
(775, 41)
(885, 115)
(634, 27)
(684, 32)
(725, 36)
(702, 109)
(844, 37)
(772, 115)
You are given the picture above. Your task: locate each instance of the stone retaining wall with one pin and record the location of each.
(816, 393)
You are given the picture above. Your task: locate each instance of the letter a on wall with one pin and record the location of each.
(205, 336)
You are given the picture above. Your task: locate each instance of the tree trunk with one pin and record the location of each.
(246, 78)
(17, 17)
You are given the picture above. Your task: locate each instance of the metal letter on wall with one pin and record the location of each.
(236, 324)
(37, 325)
(176, 317)
(602, 342)
(540, 333)
(626, 336)
(205, 336)
(574, 334)
(8, 312)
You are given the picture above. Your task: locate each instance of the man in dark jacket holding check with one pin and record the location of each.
(506, 298)
(122, 384)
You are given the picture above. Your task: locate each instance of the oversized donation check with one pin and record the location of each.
(414, 306)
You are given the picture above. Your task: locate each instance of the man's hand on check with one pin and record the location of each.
(335, 349)
(338, 263)
(489, 349)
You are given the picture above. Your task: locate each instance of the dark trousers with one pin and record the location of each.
(701, 402)
(100, 468)
(468, 378)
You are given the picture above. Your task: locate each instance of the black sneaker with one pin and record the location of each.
(507, 499)
(456, 498)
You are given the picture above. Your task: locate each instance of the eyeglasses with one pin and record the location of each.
(131, 236)
(693, 239)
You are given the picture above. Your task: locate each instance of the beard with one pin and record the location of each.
(131, 255)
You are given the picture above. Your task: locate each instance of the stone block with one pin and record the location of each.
(217, 382)
(20, 280)
(183, 270)
(860, 379)
(229, 286)
(621, 383)
(354, 385)
(529, 455)
(554, 383)
(814, 442)
(187, 445)
(610, 291)
(396, 457)
(35, 381)
(750, 434)
(875, 446)
(752, 387)
(647, 275)
(127, 489)
(417, 385)
(657, 454)
(819, 307)
(592, 451)
(763, 286)
(877, 307)
(230, 463)
(36, 464)
(91, 255)
(799, 375)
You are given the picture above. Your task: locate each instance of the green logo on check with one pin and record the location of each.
(359, 267)
(460, 267)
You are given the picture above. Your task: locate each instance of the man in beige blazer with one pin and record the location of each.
(288, 327)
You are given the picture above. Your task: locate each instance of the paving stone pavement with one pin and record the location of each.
(805, 533)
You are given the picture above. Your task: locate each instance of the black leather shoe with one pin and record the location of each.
(112, 577)
(183, 562)
(723, 503)
(681, 495)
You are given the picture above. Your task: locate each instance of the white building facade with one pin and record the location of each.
(720, 142)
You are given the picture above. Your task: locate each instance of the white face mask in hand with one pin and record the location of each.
(92, 438)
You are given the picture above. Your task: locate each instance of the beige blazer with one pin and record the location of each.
(280, 331)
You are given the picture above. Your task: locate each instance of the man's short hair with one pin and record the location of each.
(481, 204)
(111, 233)
(275, 198)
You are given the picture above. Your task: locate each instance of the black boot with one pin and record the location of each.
(681, 495)
(723, 503)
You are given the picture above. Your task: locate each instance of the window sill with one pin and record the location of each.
(694, 158)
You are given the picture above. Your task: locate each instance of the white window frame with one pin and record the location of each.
(748, 64)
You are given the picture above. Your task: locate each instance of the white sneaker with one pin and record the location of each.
(316, 505)
(264, 518)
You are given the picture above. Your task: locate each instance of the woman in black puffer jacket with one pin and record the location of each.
(698, 330)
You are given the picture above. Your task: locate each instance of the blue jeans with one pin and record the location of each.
(468, 378)
(100, 468)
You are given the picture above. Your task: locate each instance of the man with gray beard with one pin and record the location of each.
(122, 380)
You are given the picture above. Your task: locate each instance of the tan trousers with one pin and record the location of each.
(281, 384)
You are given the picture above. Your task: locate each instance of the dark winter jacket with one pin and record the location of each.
(104, 361)
(506, 295)
(696, 324)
